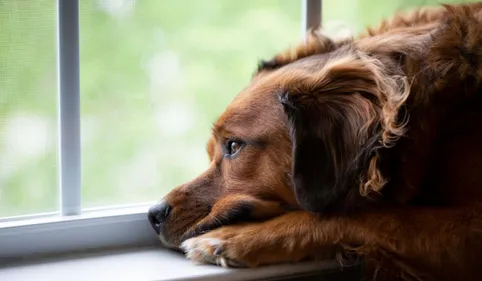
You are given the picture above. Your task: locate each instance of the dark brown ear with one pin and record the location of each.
(339, 117)
(333, 140)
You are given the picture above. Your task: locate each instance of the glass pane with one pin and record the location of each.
(28, 99)
(155, 75)
(364, 13)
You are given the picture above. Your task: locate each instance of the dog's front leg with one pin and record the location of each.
(288, 238)
(413, 242)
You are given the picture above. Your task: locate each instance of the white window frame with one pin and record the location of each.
(74, 229)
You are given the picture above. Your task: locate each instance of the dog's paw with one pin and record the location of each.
(209, 250)
(251, 245)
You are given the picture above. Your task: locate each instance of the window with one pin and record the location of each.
(28, 114)
(154, 75)
(119, 113)
(151, 83)
(116, 99)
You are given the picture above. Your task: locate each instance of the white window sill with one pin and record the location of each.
(73, 248)
(151, 263)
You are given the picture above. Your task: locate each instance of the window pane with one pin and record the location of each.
(28, 91)
(155, 75)
(363, 13)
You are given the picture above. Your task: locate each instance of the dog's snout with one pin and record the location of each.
(158, 214)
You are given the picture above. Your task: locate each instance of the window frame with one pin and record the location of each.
(73, 228)
(68, 77)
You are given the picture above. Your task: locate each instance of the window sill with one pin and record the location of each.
(93, 230)
(155, 263)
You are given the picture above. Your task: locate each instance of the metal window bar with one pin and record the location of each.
(68, 106)
(311, 15)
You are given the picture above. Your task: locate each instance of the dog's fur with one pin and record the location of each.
(371, 146)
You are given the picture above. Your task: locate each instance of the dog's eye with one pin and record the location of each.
(232, 147)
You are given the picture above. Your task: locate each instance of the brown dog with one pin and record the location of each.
(371, 146)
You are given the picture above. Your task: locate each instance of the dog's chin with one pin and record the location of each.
(205, 228)
(165, 243)
(167, 240)
(198, 231)
(174, 244)
(236, 215)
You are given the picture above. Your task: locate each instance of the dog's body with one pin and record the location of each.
(371, 146)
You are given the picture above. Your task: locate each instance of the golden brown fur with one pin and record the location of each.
(370, 146)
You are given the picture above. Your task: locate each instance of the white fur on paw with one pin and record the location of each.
(207, 250)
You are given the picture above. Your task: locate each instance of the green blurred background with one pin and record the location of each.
(155, 74)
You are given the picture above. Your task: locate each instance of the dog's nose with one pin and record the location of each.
(158, 214)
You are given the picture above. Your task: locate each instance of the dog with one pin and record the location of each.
(369, 146)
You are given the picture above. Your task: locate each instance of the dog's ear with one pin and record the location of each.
(329, 145)
(338, 118)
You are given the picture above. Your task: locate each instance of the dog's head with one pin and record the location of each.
(249, 175)
(304, 134)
